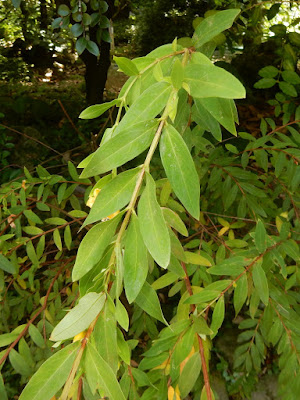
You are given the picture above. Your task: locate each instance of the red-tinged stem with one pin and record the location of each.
(200, 342)
(24, 331)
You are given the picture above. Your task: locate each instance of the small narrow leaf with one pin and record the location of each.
(261, 283)
(218, 316)
(126, 65)
(152, 225)
(97, 110)
(149, 302)
(80, 317)
(180, 170)
(174, 221)
(197, 259)
(260, 237)
(135, 260)
(6, 265)
(240, 293)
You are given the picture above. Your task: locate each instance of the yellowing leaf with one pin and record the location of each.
(80, 336)
(223, 230)
(173, 394)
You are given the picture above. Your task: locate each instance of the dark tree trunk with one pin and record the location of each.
(97, 67)
(44, 21)
(96, 73)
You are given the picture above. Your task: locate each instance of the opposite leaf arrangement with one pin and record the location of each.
(173, 98)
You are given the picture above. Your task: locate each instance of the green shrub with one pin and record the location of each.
(155, 277)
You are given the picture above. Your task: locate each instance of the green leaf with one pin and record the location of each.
(260, 237)
(223, 110)
(202, 297)
(51, 376)
(105, 335)
(93, 48)
(36, 336)
(92, 247)
(174, 221)
(30, 215)
(204, 119)
(135, 260)
(218, 316)
(150, 103)
(231, 266)
(122, 315)
(126, 65)
(77, 29)
(180, 170)
(164, 280)
(288, 89)
(177, 74)
(97, 110)
(211, 81)
(240, 293)
(268, 72)
(265, 83)
(189, 375)
(213, 25)
(80, 45)
(261, 282)
(148, 300)
(197, 259)
(57, 239)
(152, 225)
(114, 196)
(3, 394)
(6, 265)
(291, 77)
(116, 151)
(63, 10)
(19, 363)
(31, 253)
(80, 317)
(55, 221)
(100, 375)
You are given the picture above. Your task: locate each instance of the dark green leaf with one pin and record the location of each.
(135, 260)
(261, 283)
(152, 225)
(180, 170)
